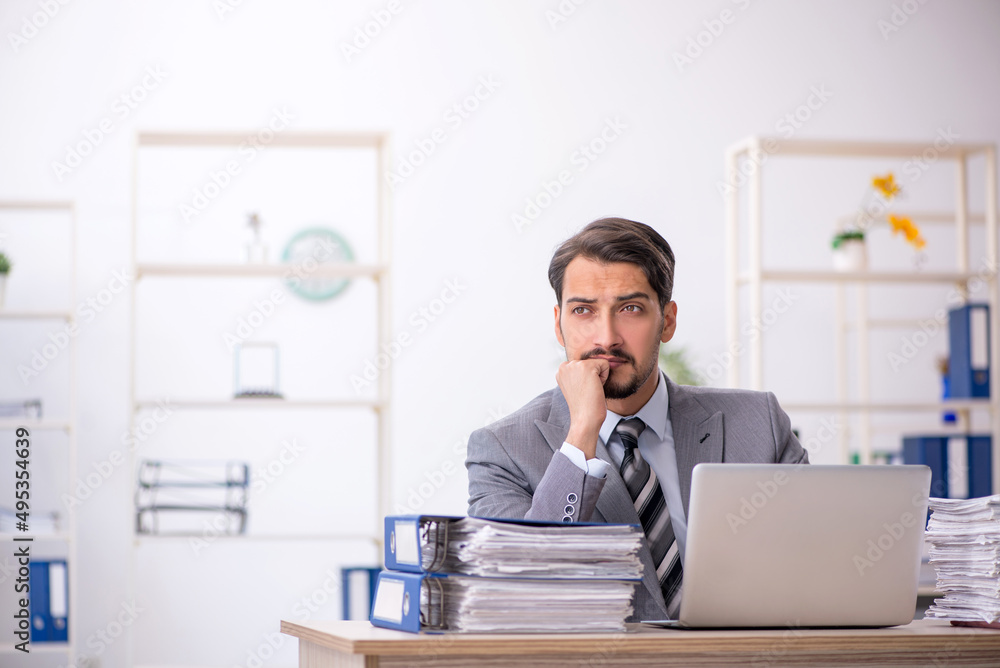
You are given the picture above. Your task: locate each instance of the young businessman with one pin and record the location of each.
(616, 440)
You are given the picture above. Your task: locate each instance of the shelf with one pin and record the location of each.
(238, 404)
(863, 276)
(853, 149)
(39, 205)
(941, 429)
(887, 407)
(41, 425)
(855, 366)
(64, 540)
(191, 270)
(929, 217)
(254, 548)
(889, 323)
(35, 315)
(288, 139)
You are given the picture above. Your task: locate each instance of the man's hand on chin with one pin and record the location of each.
(582, 384)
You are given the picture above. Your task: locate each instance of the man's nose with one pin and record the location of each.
(606, 336)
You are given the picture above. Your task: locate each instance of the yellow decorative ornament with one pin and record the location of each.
(886, 185)
(910, 231)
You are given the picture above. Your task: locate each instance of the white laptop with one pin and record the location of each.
(786, 545)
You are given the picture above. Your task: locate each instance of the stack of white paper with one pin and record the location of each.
(483, 576)
(488, 548)
(964, 537)
(485, 605)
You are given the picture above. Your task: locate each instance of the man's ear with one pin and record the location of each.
(559, 336)
(669, 321)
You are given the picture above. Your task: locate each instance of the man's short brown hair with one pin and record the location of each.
(618, 240)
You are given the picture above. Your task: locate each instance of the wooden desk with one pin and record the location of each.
(932, 644)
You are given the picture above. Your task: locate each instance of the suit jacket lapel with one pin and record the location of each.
(698, 436)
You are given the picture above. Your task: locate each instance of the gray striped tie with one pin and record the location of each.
(649, 503)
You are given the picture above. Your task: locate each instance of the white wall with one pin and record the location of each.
(492, 349)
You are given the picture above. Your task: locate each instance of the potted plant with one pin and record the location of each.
(4, 270)
(849, 252)
(678, 367)
(849, 245)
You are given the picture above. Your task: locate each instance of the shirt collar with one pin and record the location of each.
(655, 413)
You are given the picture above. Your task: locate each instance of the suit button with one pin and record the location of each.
(572, 497)
(569, 510)
(567, 518)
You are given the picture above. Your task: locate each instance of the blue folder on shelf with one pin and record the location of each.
(930, 451)
(38, 599)
(967, 476)
(969, 351)
(48, 600)
(980, 466)
(357, 590)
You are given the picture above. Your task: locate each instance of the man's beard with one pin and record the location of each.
(626, 387)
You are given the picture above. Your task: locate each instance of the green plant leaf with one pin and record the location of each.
(678, 367)
(841, 237)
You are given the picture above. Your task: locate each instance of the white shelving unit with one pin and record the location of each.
(66, 425)
(752, 280)
(378, 272)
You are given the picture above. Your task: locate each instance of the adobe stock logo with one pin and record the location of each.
(885, 542)
(99, 641)
(899, 17)
(31, 26)
(87, 310)
(455, 115)
(363, 35)
(704, 39)
(563, 11)
(419, 320)
(582, 158)
(749, 507)
(220, 179)
(123, 106)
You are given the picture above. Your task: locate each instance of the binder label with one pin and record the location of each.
(389, 600)
(979, 349)
(404, 536)
(958, 468)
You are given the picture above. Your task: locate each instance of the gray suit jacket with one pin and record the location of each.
(516, 469)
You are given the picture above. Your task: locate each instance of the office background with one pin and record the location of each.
(488, 103)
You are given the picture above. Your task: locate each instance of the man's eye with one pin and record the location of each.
(579, 310)
(632, 308)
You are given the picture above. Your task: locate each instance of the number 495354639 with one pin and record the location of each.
(22, 451)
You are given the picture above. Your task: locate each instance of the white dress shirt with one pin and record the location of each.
(656, 443)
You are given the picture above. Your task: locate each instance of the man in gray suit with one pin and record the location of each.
(617, 440)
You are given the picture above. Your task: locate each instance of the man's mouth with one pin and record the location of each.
(613, 362)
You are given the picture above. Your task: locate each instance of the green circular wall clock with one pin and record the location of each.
(309, 250)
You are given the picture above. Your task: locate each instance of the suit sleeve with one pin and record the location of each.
(498, 487)
(788, 450)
